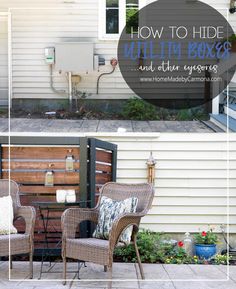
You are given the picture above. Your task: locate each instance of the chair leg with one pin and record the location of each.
(64, 271)
(31, 265)
(109, 269)
(10, 261)
(138, 257)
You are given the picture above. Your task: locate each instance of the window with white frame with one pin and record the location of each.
(112, 16)
(115, 14)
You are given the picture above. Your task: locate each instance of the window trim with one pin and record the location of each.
(102, 35)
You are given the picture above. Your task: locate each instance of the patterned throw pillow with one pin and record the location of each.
(6, 216)
(109, 211)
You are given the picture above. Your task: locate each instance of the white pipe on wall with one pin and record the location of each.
(9, 54)
(9, 60)
(70, 89)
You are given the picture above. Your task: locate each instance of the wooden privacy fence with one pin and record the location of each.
(27, 160)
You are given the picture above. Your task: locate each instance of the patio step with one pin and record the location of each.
(221, 121)
(230, 109)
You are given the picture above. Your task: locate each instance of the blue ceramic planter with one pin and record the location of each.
(205, 251)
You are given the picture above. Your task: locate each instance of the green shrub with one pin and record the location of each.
(138, 109)
(147, 243)
(221, 259)
(200, 114)
(191, 114)
(178, 256)
(152, 249)
(184, 114)
(165, 114)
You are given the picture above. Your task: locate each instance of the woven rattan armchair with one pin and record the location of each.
(97, 250)
(19, 243)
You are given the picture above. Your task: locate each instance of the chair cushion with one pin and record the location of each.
(93, 243)
(109, 211)
(89, 249)
(19, 244)
(6, 216)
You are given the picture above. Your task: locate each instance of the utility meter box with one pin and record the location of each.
(76, 57)
(49, 53)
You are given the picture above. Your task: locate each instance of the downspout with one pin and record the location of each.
(113, 63)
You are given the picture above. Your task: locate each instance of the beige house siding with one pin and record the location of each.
(191, 178)
(35, 29)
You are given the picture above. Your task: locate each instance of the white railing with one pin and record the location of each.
(223, 67)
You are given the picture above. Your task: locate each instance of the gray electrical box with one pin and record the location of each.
(49, 53)
(76, 57)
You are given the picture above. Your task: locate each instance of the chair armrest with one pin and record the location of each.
(72, 217)
(29, 215)
(120, 224)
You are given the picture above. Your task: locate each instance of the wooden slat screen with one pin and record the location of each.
(95, 164)
(28, 166)
(103, 169)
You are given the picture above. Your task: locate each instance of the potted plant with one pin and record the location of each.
(205, 244)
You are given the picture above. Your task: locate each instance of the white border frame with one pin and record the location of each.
(118, 135)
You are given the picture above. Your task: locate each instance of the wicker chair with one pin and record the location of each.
(19, 243)
(97, 250)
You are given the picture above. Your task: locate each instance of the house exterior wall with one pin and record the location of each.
(191, 178)
(3, 59)
(35, 29)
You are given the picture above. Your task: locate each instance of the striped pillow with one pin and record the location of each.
(109, 211)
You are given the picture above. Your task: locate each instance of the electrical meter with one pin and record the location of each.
(49, 55)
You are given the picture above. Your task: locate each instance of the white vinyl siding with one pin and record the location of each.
(33, 30)
(3, 59)
(191, 178)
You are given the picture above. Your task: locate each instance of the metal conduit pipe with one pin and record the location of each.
(113, 63)
(61, 92)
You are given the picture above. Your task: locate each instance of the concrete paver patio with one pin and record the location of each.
(58, 125)
(158, 276)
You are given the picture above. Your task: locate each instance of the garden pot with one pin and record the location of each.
(205, 251)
